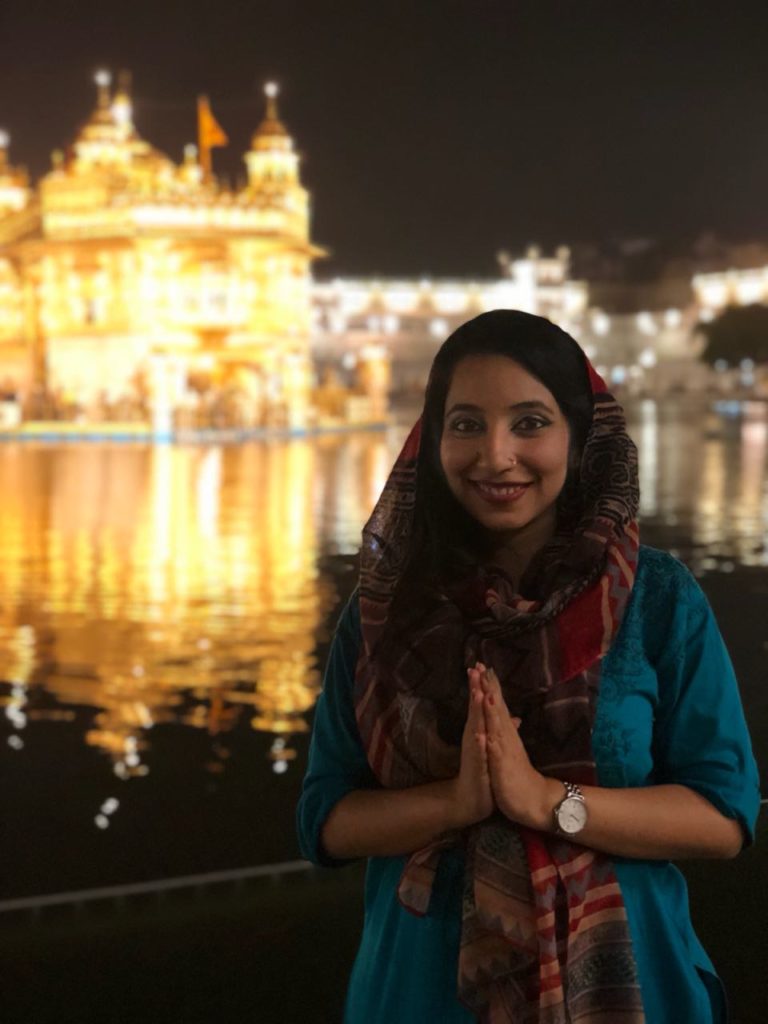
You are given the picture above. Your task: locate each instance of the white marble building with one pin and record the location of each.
(645, 351)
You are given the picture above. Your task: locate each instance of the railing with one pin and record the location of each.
(118, 893)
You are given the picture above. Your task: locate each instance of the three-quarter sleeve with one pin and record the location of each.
(700, 737)
(337, 761)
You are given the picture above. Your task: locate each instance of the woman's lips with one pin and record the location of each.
(499, 494)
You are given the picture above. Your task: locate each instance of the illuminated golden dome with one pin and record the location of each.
(104, 125)
(273, 165)
(109, 146)
(271, 133)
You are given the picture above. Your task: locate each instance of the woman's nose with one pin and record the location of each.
(496, 451)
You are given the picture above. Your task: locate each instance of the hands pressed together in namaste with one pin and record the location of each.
(496, 772)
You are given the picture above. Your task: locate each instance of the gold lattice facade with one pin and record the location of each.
(133, 288)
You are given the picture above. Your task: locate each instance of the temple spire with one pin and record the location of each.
(271, 161)
(14, 182)
(122, 107)
(103, 80)
(271, 89)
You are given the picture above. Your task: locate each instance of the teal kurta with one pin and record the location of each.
(668, 711)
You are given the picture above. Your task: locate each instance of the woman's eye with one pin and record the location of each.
(529, 424)
(464, 426)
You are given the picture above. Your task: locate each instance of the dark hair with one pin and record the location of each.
(445, 537)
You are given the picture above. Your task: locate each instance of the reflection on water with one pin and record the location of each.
(166, 583)
(195, 587)
(703, 481)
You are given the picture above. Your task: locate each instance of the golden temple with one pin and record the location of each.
(135, 289)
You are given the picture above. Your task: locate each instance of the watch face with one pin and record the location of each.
(571, 815)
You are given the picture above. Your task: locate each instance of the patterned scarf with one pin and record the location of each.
(545, 936)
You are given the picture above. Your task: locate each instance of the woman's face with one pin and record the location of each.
(504, 447)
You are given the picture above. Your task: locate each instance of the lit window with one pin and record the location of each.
(673, 318)
(601, 323)
(646, 324)
(450, 300)
(647, 358)
(401, 299)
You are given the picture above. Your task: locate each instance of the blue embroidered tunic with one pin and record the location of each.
(668, 711)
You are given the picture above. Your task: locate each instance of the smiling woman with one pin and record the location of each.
(508, 629)
(504, 453)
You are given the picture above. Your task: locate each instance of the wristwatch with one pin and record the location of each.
(571, 813)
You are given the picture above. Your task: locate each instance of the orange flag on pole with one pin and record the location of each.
(209, 132)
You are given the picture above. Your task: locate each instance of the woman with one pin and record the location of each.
(526, 714)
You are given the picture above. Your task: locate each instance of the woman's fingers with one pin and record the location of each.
(505, 762)
(474, 780)
(493, 722)
(494, 686)
(495, 714)
(491, 684)
(492, 691)
(503, 728)
(475, 719)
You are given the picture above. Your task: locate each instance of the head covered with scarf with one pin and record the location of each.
(544, 929)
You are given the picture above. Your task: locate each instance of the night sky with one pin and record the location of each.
(434, 134)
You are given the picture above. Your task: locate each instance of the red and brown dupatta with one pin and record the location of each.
(545, 936)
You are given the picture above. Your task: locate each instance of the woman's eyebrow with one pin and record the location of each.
(515, 407)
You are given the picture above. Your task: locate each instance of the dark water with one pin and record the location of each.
(165, 612)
